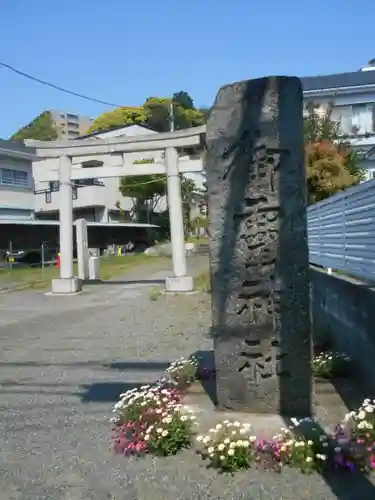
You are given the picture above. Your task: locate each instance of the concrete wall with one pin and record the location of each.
(343, 311)
(16, 199)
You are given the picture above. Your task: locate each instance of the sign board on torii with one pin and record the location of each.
(68, 153)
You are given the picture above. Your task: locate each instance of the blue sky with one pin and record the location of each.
(124, 51)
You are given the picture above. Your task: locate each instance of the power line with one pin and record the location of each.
(56, 87)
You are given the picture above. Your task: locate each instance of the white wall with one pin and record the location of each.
(347, 112)
(18, 198)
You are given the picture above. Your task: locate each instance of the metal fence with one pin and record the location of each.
(341, 232)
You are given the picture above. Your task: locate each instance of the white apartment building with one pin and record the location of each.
(97, 200)
(70, 125)
(16, 181)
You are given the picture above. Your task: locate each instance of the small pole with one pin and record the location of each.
(11, 254)
(42, 249)
(171, 117)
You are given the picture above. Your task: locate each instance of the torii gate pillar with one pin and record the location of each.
(180, 282)
(67, 283)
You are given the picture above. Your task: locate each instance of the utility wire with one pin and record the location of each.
(56, 87)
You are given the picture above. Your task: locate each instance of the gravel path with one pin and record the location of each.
(63, 362)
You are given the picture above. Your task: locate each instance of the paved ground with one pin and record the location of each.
(63, 362)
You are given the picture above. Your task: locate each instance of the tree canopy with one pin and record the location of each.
(155, 113)
(41, 128)
(331, 164)
(120, 116)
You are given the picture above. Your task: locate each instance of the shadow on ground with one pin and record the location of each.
(125, 282)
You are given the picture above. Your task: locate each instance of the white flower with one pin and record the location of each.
(231, 452)
(239, 443)
(164, 433)
(147, 437)
(237, 424)
(167, 420)
(232, 445)
(221, 447)
(244, 431)
(252, 439)
(206, 440)
(211, 449)
(226, 441)
(361, 415)
(219, 426)
(245, 444)
(159, 430)
(183, 418)
(193, 417)
(199, 439)
(309, 442)
(222, 457)
(369, 409)
(308, 459)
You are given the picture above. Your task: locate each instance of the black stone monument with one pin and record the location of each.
(258, 248)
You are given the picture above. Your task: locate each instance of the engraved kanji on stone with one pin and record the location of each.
(257, 366)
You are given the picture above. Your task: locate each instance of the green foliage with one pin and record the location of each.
(320, 126)
(171, 435)
(183, 99)
(329, 364)
(118, 117)
(154, 113)
(183, 371)
(40, 129)
(158, 113)
(332, 165)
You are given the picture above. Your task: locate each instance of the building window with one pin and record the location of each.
(355, 118)
(69, 116)
(9, 177)
(73, 125)
(73, 133)
(48, 197)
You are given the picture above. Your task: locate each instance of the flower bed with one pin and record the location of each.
(153, 420)
(328, 364)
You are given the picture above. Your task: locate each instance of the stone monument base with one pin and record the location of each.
(66, 286)
(179, 284)
(200, 400)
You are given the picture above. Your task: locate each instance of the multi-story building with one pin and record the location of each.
(352, 96)
(70, 125)
(16, 181)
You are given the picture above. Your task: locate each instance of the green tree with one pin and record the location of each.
(188, 191)
(155, 113)
(183, 99)
(42, 128)
(118, 117)
(332, 165)
(145, 191)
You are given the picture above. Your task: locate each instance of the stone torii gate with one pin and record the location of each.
(63, 161)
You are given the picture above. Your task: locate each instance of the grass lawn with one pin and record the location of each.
(201, 240)
(25, 278)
